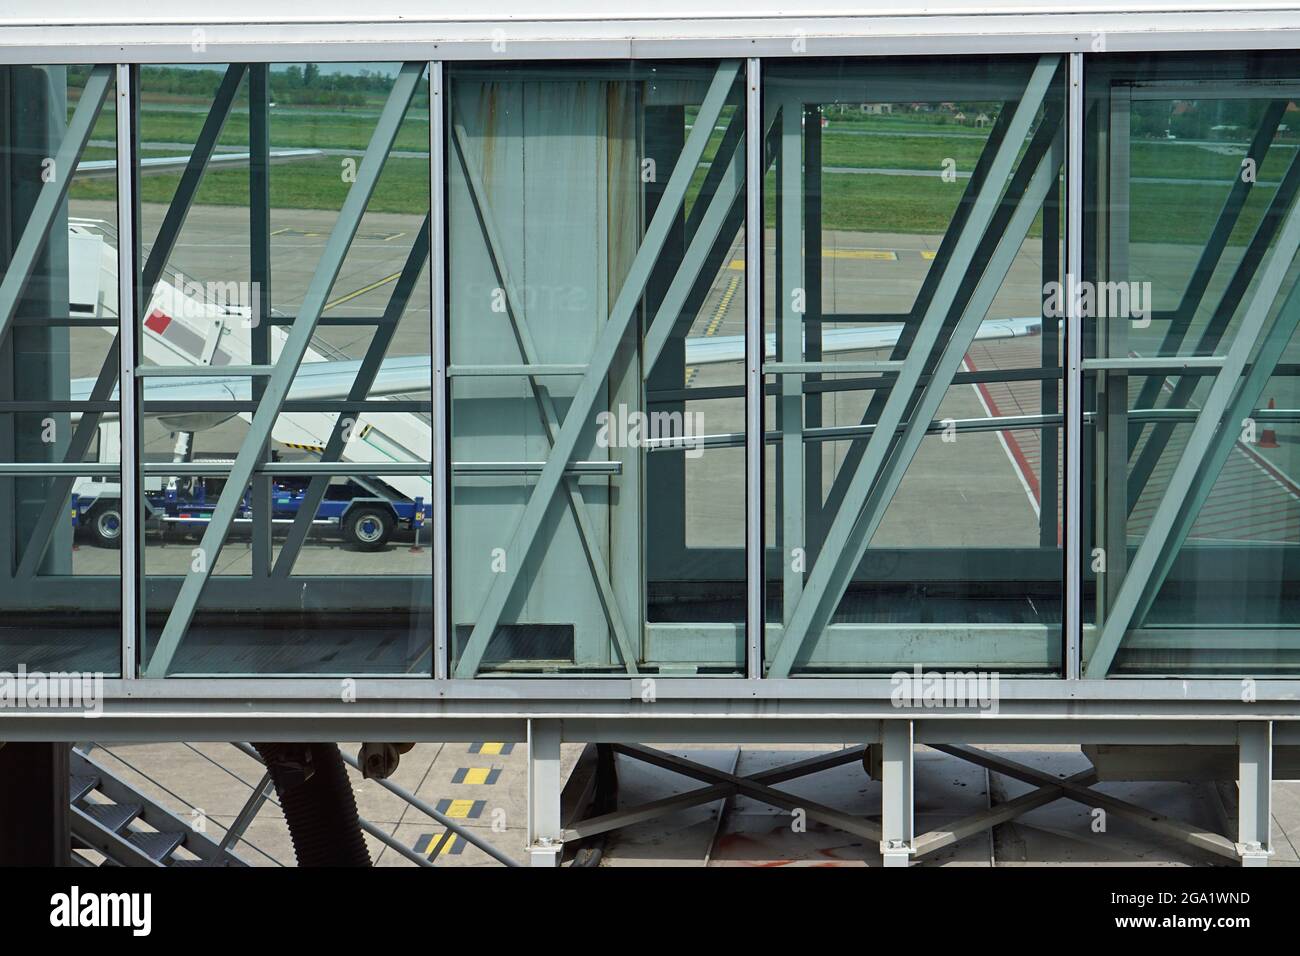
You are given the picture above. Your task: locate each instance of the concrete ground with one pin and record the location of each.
(484, 786)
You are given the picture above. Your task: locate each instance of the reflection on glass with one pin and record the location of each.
(597, 340)
(286, 514)
(913, 243)
(1192, 515)
(59, 525)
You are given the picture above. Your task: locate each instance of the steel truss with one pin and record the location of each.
(896, 835)
(990, 223)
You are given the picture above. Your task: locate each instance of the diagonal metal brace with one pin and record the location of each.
(358, 392)
(18, 271)
(611, 339)
(1166, 826)
(1154, 551)
(291, 356)
(619, 819)
(545, 404)
(178, 209)
(846, 541)
(751, 788)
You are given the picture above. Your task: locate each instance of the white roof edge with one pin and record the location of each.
(251, 12)
(389, 30)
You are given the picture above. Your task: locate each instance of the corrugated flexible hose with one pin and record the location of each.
(319, 807)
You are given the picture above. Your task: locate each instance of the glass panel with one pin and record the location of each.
(913, 488)
(596, 293)
(59, 566)
(1192, 511)
(286, 247)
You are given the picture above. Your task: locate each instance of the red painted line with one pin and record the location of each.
(1017, 453)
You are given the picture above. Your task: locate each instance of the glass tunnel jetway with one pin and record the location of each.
(600, 505)
(724, 372)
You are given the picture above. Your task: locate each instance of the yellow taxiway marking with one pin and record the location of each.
(459, 809)
(362, 291)
(875, 255)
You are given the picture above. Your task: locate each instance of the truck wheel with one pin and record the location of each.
(106, 526)
(368, 528)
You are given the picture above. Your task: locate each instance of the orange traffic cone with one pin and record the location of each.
(1267, 436)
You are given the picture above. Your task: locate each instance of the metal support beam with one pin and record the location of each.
(545, 831)
(789, 350)
(1073, 485)
(259, 268)
(1255, 783)
(45, 211)
(897, 788)
(128, 343)
(754, 554)
(607, 345)
(291, 355)
(441, 509)
(261, 793)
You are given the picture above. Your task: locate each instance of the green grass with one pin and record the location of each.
(306, 184)
(1160, 212)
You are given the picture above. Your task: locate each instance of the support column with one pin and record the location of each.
(544, 832)
(259, 267)
(897, 819)
(1255, 784)
(34, 828)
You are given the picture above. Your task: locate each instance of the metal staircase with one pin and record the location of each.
(117, 823)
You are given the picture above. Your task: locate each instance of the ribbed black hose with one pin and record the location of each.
(321, 810)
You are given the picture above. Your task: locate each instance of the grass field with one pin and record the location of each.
(1179, 210)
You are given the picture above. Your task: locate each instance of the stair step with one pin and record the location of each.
(81, 784)
(157, 845)
(114, 816)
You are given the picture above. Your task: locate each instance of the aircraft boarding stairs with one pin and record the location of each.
(185, 326)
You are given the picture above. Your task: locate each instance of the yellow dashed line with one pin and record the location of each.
(446, 847)
(459, 809)
(362, 291)
(927, 254)
(477, 775)
(718, 314)
(490, 748)
(877, 255)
